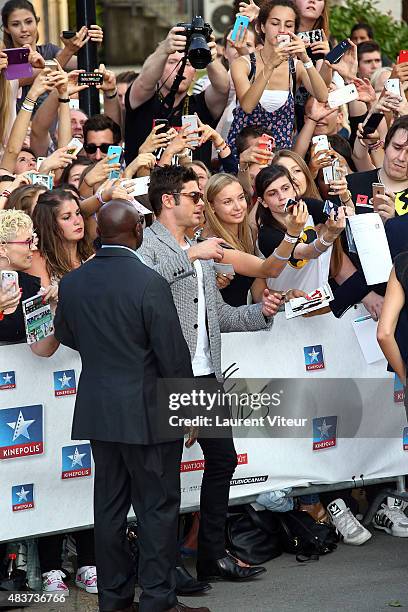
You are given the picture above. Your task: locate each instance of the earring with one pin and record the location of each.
(6, 257)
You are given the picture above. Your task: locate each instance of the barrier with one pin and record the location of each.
(46, 478)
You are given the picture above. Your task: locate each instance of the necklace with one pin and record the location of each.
(263, 68)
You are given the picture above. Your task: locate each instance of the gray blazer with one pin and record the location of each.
(161, 252)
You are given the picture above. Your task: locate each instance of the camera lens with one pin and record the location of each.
(199, 54)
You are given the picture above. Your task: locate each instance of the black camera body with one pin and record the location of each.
(198, 34)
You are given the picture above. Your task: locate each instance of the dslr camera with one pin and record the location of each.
(198, 34)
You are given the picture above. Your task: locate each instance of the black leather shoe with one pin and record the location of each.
(187, 585)
(226, 569)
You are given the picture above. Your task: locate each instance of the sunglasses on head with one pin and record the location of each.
(92, 148)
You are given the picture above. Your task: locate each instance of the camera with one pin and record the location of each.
(198, 34)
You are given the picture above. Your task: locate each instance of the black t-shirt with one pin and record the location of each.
(12, 327)
(270, 237)
(139, 122)
(236, 293)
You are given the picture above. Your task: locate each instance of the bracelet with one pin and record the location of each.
(242, 169)
(291, 239)
(5, 193)
(275, 254)
(29, 109)
(308, 65)
(182, 155)
(115, 93)
(63, 100)
(348, 197)
(98, 196)
(317, 249)
(27, 99)
(222, 148)
(324, 242)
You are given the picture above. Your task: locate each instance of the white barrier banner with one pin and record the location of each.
(46, 478)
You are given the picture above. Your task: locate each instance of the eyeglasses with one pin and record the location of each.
(30, 242)
(91, 148)
(196, 196)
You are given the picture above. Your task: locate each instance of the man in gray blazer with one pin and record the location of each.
(189, 269)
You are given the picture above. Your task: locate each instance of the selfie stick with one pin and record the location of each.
(87, 57)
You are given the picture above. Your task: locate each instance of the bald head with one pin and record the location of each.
(120, 223)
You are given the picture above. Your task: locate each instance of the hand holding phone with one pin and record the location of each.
(18, 66)
(191, 122)
(343, 95)
(337, 53)
(90, 78)
(9, 284)
(115, 153)
(240, 27)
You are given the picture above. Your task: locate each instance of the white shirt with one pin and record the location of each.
(202, 363)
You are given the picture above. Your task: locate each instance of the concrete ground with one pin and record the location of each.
(368, 578)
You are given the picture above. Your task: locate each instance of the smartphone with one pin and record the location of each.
(337, 53)
(192, 120)
(393, 86)
(67, 34)
(266, 142)
(18, 66)
(46, 180)
(52, 63)
(224, 268)
(311, 36)
(140, 185)
(117, 151)
(371, 123)
(344, 95)
(164, 123)
(240, 26)
(290, 203)
(39, 162)
(321, 143)
(403, 56)
(74, 104)
(90, 78)
(283, 40)
(378, 189)
(328, 174)
(9, 282)
(74, 146)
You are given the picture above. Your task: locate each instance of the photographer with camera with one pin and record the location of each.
(150, 96)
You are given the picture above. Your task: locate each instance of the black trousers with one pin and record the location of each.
(220, 463)
(148, 478)
(50, 549)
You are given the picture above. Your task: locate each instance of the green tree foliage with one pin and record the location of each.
(391, 35)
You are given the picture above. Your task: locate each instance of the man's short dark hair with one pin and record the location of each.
(167, 179)
(369, 46)
(399, 124)
(128, 76)
(98, 123)
(363, 26)
(250, 131)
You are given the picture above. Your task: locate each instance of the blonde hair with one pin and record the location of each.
(311, 189)
(4, 105)
(379, 72)
(11, 222)
(242, 242)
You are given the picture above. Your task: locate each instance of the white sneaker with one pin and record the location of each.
(391, 518)
(53, 582)
(86, 579)
(346, 523)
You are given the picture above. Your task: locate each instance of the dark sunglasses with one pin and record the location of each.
(91, 148)
(196, 196)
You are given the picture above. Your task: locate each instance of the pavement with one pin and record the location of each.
(368, 578)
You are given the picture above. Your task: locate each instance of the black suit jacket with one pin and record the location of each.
(120, 316)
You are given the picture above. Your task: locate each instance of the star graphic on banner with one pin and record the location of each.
(7, 378)
(314, 354)
(324, 429)
(65, 380)
(21, 427)
(22, 495)
(76, 458)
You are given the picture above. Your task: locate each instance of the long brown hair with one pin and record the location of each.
(311, 189)
(51, 242)
(4, 105)
(242, 242)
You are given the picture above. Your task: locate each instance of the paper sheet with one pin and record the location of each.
(365, 329)
(372, 247)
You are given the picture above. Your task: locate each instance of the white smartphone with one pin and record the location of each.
(74, 104)
(283, 40)
(74, 146)
(393, 86)
(39, 162)
(344, 95)
(321, 143)
(224, 268)
(140, 185)
(193, 125)
(9, 282)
